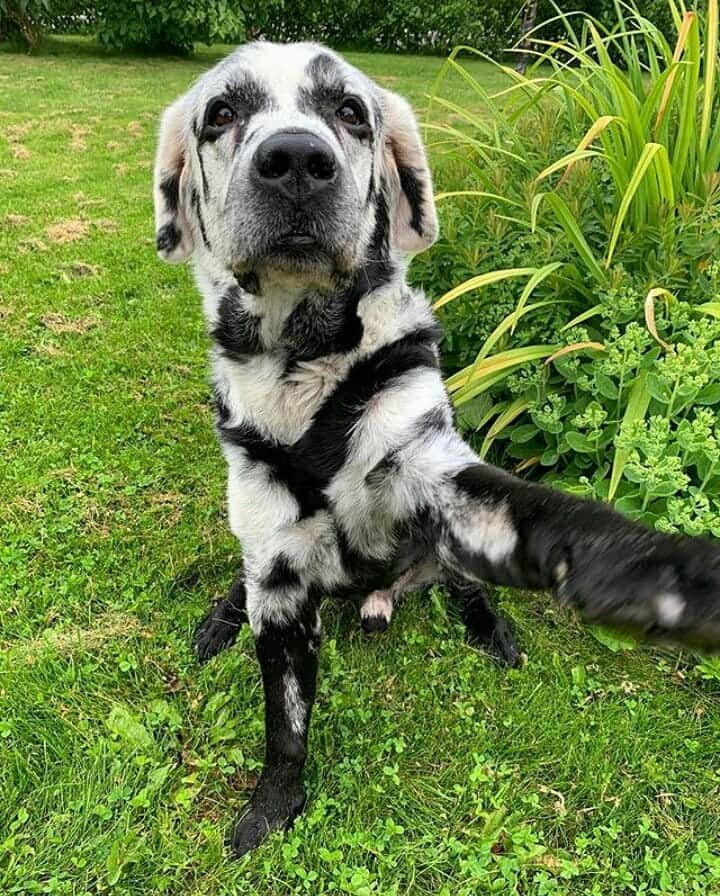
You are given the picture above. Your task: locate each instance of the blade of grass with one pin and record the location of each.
(501, 361)
(711, 308)
(575, 347)
(535, 280)
(711, 53)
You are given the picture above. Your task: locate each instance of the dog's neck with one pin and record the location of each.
(262, 311)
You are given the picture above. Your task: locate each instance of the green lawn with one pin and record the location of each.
(121, 762)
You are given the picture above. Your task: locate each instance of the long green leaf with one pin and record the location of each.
(480, 281)
(644, 162)
(581, 318)
(574, 234)
(711, 52)
(638, 403)
(536, 279)
(711, 308)
(501, 361)
(508, 323)
(511, 412)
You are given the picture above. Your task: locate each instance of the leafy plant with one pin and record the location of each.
(172, 26)
(597, 180)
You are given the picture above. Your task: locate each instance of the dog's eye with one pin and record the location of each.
(351, 113)
(220, 115)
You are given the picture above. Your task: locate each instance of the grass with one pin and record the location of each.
(592, 770)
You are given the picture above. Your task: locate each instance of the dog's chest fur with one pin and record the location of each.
(334, 420)
(279, 357)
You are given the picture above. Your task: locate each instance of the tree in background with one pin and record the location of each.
(529, 17)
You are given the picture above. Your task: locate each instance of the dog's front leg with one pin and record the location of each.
(500, 529)
(287, 640)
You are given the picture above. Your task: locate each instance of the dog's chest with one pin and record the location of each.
(281, 389)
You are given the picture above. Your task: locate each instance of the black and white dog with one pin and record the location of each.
(300, 189)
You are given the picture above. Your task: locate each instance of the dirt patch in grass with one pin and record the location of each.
(69, 231)
(59, 323)
(49, 349)
(12, 220)
(107, 627)
(106, 225)
(83, 269)
(31, 244)
(19, 151)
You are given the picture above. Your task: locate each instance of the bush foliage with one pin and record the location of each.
(591, 205)
(406, 25)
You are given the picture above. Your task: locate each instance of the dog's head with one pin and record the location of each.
(285, 158)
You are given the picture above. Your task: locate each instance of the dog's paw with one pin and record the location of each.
(376, 612)
(270, 809)
(500, 643)
(218, 630)
(661, 586)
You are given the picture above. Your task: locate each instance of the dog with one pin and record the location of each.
(300, 189)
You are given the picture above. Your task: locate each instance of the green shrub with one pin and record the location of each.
(172, 26)
(406, 25)
(592, 205)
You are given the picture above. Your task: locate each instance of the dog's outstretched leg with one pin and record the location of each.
(485, 627)
(499, 529)
(220, 628)
(286, 624)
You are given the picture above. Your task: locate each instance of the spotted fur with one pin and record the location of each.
(345, 472)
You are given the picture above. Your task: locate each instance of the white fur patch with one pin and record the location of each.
(670, 608)
(483, 529)
(379, 603)
(295, 706)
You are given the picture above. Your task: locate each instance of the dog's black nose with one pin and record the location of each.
(295, 163)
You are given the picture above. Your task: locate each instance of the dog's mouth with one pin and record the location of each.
(298, 249)
(296, 240)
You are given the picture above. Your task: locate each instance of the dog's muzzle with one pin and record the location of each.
(295, 165)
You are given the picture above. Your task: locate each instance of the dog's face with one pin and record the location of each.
(285, 158)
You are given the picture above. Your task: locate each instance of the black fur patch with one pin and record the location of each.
(195, 199)
(237, 330)
(323, 326)
(246, 97)
(327, 92)
(170, 189)
(282, 575)
(168, 238)
(203, 175)
(371, 624)
(324, 446)
(282, 462)
(413, 190)
(249, 282)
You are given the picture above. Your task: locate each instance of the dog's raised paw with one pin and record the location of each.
(218, 630)
(500, 643)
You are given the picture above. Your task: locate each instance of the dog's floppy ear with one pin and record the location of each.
(414, 219)
(173, 233)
